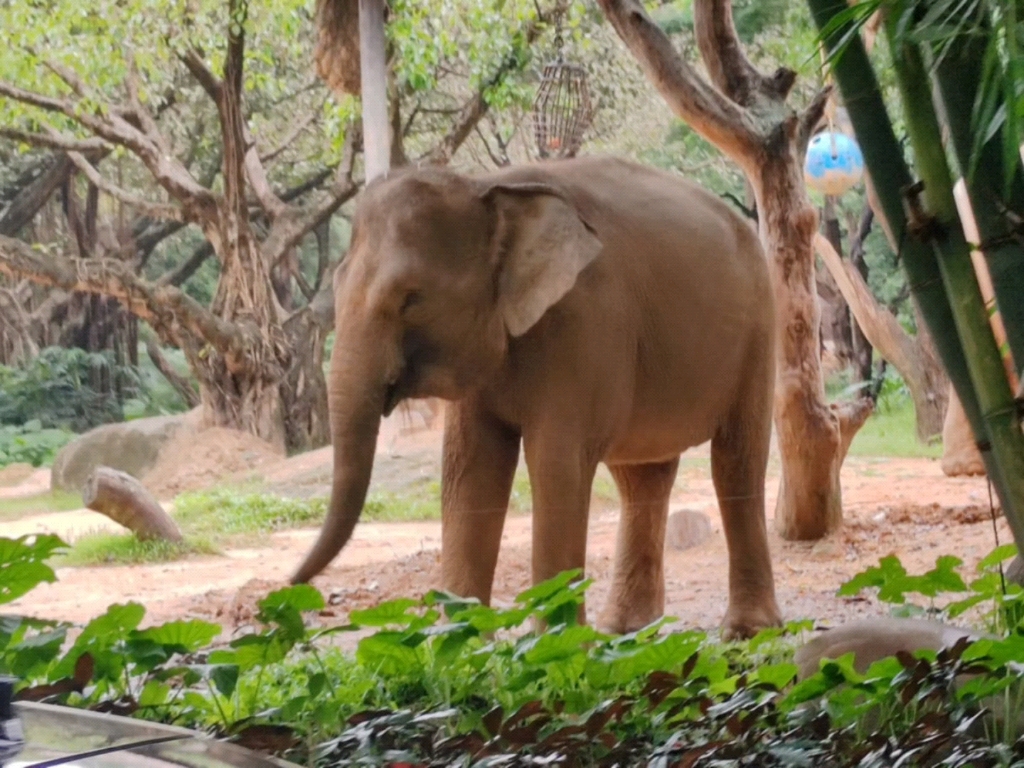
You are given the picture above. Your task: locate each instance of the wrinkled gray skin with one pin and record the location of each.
(587, 310)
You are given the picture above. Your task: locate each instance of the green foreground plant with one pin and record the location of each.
(446, 681)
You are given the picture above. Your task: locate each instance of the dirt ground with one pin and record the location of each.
(902, 506)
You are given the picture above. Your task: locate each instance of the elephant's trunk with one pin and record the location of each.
(356, 395)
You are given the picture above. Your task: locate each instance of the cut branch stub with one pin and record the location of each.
(126, 501)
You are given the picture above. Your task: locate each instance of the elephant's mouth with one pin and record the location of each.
(403, 387)
(392, 397)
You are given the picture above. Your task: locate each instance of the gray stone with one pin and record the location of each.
(687, 528)
(131, 447)
(877, 638)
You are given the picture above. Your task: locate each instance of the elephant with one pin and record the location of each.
(583, 311)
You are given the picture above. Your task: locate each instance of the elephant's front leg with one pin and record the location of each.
(478, 465)
(561, 477)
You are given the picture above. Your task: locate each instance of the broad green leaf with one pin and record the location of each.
(22, 565)
(260, 654)
(546, 589)
(557, 644)
(154, 694)
(300, 597)
(225, 678)
(998, 555)
(182, 636)
(386, 653)
(777, 675)
(390, 612)
(616, 666)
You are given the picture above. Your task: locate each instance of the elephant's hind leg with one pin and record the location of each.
(478, 465)
(739, 457)
(638, 585)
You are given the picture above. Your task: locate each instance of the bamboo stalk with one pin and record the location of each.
(984, 361)
(958, 77)
(889, 175)
(936, 269)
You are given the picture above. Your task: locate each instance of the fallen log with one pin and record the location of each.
(126, 501)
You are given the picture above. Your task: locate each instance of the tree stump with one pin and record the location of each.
(960, 455)
(126, 501)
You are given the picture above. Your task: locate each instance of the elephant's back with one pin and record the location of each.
(643, 212)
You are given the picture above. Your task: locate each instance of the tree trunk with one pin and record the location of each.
(126, 501)
(747, 117)
(241, 389)
(813, 437)
(960, 454)
(836, 321)
(920, 370)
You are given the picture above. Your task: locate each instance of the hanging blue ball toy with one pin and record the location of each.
(834, 163)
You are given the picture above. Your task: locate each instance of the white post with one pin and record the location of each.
(374, 86)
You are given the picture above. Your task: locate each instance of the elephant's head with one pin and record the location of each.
(441, 271)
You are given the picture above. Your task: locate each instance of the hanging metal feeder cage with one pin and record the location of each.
(562, 110)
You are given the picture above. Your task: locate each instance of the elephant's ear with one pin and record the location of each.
(543, 244)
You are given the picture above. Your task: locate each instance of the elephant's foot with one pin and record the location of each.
(622, 615)
(746, 620)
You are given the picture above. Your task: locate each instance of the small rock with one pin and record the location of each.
(827, 547)
(687, 528)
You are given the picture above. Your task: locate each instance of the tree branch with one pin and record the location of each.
(149, 208)
(186, 269)
(70, 78)
(148, 234)
(314, 181)
(204, 76)
(255, 172)
(880, 328)
(289, 228)
(476, 106)
(178, 317)
(719, 46)
(31, 198)
(47, 103)
(812, 116)
(198, 203)
(56, 141)
(719, 120)
(180, 383)
(292, 135)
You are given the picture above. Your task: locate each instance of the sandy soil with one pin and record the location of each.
(902, 506)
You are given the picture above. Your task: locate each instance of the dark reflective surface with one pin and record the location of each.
(61, 736)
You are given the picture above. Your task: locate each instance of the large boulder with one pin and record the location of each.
(131, 447)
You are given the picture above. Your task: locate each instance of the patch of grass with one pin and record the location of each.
(126, 549)
(229, 513)
(891, 431)
(39, 504)
(604, 494)
(209, 520)
(423, 501)
(418, 502)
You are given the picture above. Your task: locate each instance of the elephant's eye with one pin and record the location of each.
(412, 298)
